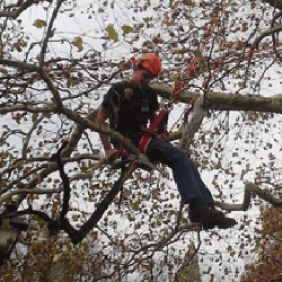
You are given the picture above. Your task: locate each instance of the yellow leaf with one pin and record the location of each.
(39, 23)
(77, 42)
(112, 34)
(127, 29)
(189, 3)
(75, 217)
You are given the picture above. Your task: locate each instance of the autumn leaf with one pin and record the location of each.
(127, 29)
(112, 34)
(39, 23)
(189, 3)
(18, 47)
(77, 42)
(75, 217)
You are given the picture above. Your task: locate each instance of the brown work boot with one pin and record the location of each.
(193, 215)
(223, 223)
(199, 211)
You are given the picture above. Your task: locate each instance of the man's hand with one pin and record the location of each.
(101, 118)
(112, 154)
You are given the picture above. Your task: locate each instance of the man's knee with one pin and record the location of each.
(176, 155)
(166, 152)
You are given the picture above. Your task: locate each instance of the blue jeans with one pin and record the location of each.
(186, 176)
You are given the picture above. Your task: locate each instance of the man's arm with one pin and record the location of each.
(102, 116)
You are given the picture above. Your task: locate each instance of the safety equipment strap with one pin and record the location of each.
(156, 129)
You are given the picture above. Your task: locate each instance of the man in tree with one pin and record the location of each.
(129, 105)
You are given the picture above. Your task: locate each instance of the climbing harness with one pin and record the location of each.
(157, 129)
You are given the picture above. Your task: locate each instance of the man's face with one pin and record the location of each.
(142, 75)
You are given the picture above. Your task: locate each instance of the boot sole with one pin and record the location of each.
(221, 224)
(198, 220)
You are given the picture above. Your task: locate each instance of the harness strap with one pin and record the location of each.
(144, 142)
(142, 146)
(156, 129)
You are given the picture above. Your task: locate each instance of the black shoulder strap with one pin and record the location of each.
(115, 109)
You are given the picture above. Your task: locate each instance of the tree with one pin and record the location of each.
(58, 58)
(267, 266)
(42, 257)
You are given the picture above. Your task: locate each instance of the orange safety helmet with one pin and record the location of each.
(149, 61)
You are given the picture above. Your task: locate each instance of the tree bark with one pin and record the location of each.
(226, 101)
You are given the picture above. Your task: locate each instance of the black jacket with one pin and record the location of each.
(131, 106)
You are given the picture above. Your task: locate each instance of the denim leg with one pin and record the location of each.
(207, 196)
(186, 176)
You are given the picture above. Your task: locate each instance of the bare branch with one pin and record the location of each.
(54, 90)
(28, 136)
(66, 183)
(192, 127)
(20, 65)
(127, 144)
(29, 191)
(15, 13)
(228, 101)
(266, 33)
(170, 238)
(26, 108)
(49, 30)
(35, 173)
(76, 134)
(250, 188)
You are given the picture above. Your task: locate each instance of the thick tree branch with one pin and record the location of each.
(190, 128)
(26, 108)
(20, 65)
(15, 13)
(126, 143)
(277, 4)
(266, 33)
(228, 101)
(66, 183)
(5, 197)
(250, 188)
(76, 135)
(175, 135)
